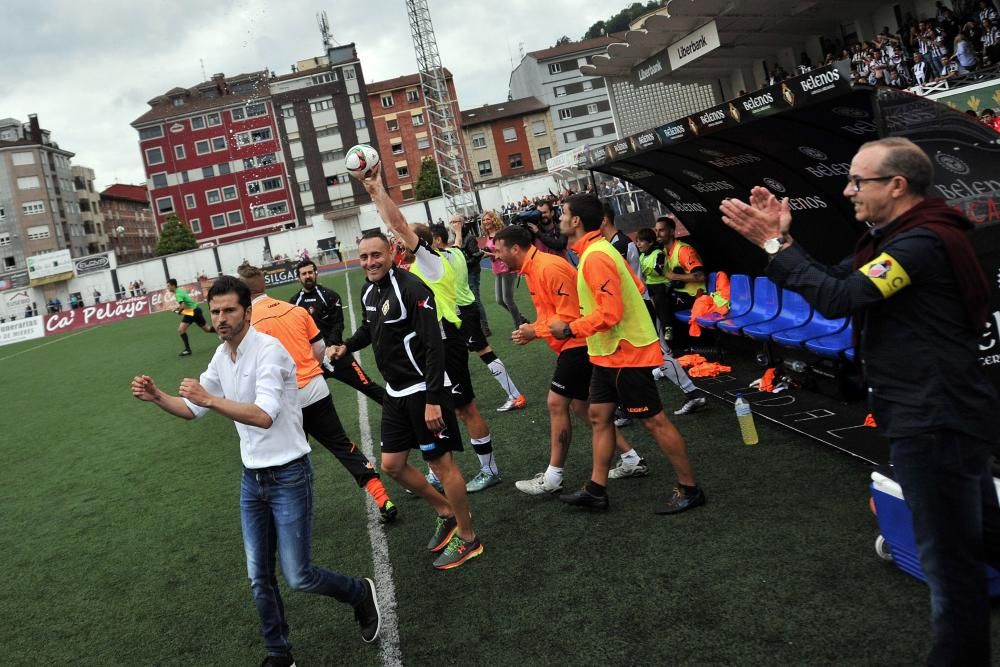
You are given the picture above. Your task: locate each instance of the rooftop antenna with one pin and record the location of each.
(324, 29)
(204, 77)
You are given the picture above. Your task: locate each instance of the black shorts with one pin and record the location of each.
(472, 328)
(571, 377)
(198, 318)
(634, 389)
(404, 428)
(456, 366)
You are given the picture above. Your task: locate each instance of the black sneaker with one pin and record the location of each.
(278, 661)
(388, 512)
(584, 498)
(444, 528)
(187, 353)
(367, 613)
(680, 502)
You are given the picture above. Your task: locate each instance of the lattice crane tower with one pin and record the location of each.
(456, 181)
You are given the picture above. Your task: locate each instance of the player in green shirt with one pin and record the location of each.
(189, 311)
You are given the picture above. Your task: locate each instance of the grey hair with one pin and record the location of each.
(905, 158)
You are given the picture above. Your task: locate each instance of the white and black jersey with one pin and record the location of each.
(401, 325)
(326, 309)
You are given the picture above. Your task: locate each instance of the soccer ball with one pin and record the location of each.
(360, 160)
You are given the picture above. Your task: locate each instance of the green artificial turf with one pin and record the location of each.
(122, 542)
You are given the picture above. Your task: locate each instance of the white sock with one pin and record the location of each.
(673, 372)
(553, 476)
(631, 458)
(484, 450)
(431, 477)
(499, 372)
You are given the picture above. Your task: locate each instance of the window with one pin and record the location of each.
(270, 210)
(322, 105)
(165, 205)
(403, 172)
(588, 84)
(258, 109)
(417, 119)
(178, 101)
(305, 186)
(544, 154)
(331, 156)
(479, 140)
(264, 185)
(154, 156)
(223, 168)
(387, 101)
(218, 143)
(218, 221)
(3, 213)
(213, 119)
(297, 163)
(184, 177)
(21, 159)
(392, 125)
(565, 114)
(360, 123)
(9, 262)
(148, 133)
(413, 96)
(237, 114)
(348, 72)
(189, 201)
(229, 192)
(197, 123)
(235, 218)
(485, 168)
(4, 238)
(202, 147)
(33, 207)
(538, 128)
(598, 131)
(555, 68)
(288, 112)
(423, 142)
(570, 137)
(329, 131)
(560, 91)
(509, 134)
(407, 193)
(339, 179)
(38, 232)
(592, 108)
(195, 226)
(326, 77)
(179, 152)
(212, 196)
(397, 148)
(28, 183)
(254, 136)
(160, 180)
(208, 172)
(354, 99)
(515, 161)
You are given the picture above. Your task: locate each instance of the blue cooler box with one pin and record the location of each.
(896, 543)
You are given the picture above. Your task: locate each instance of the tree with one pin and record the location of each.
(563, 40)
(428, 183)
(620, 21)
(175, 236)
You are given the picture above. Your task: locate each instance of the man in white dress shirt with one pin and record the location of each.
(251, 380)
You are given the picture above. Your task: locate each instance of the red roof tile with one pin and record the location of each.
(491, 112)
(136, 193)
(400, 82)
(576, 47)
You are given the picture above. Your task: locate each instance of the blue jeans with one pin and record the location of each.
(946, 480)
(474, 286)
(276, 513)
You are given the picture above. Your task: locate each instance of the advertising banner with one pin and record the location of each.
(92, 264)
(101, 313)
(18, 330)
(162, 299)
(50, 267)
(280, 274)
(14, 280)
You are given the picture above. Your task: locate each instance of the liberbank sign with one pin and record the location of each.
(683, 51)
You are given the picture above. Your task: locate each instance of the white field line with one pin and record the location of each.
(389, 635)
(51, 342)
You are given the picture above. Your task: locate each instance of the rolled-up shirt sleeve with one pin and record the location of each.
(272, 372)
(209, 379)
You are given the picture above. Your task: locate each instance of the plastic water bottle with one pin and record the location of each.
(745, 417)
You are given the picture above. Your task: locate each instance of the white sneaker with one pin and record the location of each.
(692, 405)
(658, 373)
(536, 486)
(623, 470)
(622, 422)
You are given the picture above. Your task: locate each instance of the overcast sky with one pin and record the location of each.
(88, 68)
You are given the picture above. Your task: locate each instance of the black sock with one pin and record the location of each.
(688, 490)
(488, 358)
(187, 345)
(596, 489)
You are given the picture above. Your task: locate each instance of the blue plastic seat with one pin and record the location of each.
(685, 315)
(740, 301)
(766, 304)
(817, 327)
(795, 311)
(849, 353)
(833, 346)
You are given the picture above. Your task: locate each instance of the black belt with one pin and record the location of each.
(301, 459)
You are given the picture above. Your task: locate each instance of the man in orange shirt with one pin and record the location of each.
(552, 284)
(622, 345)
(686, 273)
(298, 334)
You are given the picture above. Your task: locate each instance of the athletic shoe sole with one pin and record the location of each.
(378, 628)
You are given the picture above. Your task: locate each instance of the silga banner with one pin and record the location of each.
(92, 264)
(280, 274)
